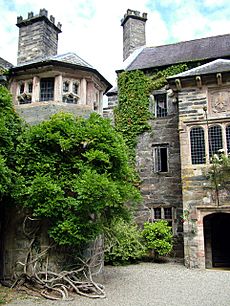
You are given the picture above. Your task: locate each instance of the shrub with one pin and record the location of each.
(123, 243)
(158, 237)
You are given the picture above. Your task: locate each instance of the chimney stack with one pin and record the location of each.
(38, 37)
(133, 25)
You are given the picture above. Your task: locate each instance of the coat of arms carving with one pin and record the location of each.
(220, 101)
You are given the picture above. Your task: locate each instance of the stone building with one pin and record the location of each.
(203, 95)
(44, 82)
(161, 153)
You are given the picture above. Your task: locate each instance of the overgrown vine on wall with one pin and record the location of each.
(133, 112)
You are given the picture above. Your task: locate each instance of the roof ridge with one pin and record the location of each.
(185, 41)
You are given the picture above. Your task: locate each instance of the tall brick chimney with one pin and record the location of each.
(38, 36)
(133, 25)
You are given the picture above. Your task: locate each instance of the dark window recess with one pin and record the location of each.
(70, 99)
(75, 88)
(46, 89)
(168, 213)
(66, 86)
(30, 87)
(215, 140)
(161, 159)
(197, 142)
(161, 105)
(21, 88)
(157, 213)
(228, 138)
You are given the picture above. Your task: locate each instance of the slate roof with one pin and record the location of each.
(219, 65)
(186, 51)
(5, 64)
(69, 59)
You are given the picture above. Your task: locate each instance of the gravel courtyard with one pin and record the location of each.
(168, 284)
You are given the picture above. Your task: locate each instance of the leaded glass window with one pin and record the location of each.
(197, 142)
(215, 140)
(46, 89)
(228, 138)
(161, 105)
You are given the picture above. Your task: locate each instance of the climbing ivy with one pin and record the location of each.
(133, 113)
(159, 79)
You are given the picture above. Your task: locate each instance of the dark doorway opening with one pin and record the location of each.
(217, 240)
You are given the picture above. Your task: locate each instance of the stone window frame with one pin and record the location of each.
(224, 150)
(70, 96)
(157, 154)
(24, 96)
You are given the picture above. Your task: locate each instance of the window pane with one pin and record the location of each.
(65, 86)
(228, 138)
(215, 140)
(47, 89)
(197, 145)
(21, 88)
(161, 159)
(168, 213)
(30, 87)
(157, 213)
(161, 105)
(75, 88)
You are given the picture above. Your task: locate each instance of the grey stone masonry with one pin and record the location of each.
(133, 25)
(38, 37)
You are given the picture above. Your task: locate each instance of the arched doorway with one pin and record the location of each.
(217, 240)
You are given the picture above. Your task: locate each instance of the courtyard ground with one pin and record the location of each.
(145, 284)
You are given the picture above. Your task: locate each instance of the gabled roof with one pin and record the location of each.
(5, 64)
(217, 66)
(208, 48)
(69, 59)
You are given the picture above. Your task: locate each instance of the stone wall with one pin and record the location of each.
(199, 197)
(161, 189)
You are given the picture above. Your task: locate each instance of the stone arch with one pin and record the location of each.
(216, 227)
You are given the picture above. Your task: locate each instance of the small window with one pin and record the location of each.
(197, 143)
(161, 105)
(161, 213)
(65, 86)
(228, 138)
(46, 89)
(21, 88)
(30, 87)
(215, 140)
(160, 158)
(75, 88)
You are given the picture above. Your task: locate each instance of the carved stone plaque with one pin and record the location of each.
(219, 100)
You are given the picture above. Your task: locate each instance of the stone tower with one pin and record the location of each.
(133, 25)
(38, 37)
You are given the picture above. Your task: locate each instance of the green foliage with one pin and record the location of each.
(132, 113)
(123, 243)
(74, 172)
(158, 80)
(219, 172)
(158, 237)
(11, 128)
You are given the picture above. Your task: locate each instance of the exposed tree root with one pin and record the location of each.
(53, 285)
